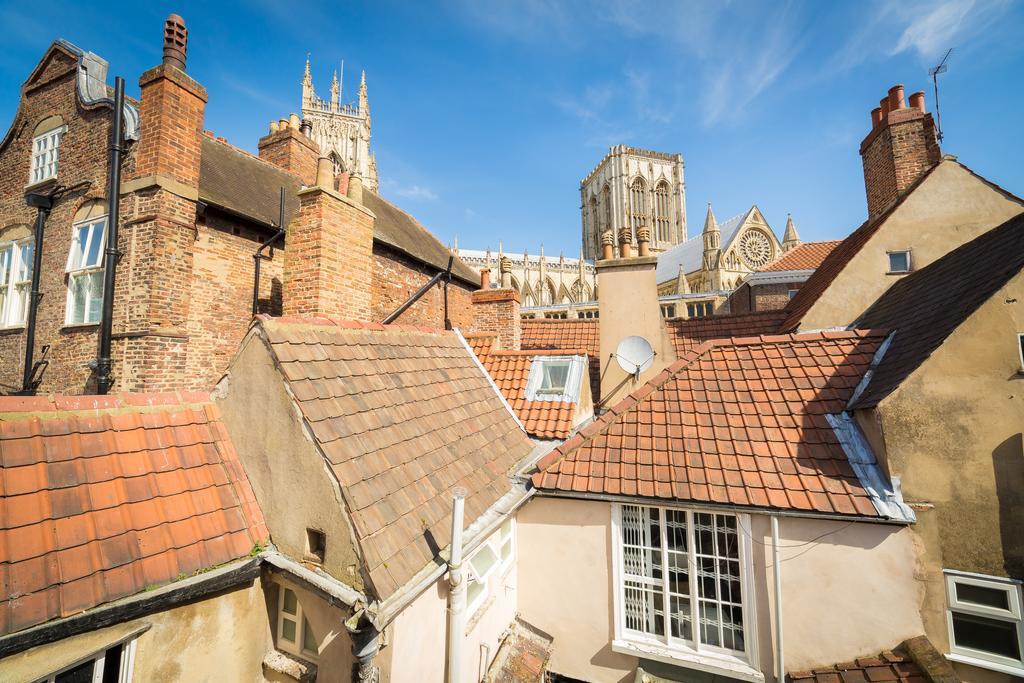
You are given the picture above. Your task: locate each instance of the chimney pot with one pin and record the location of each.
(917, 101)
(175, 41)
(485, 278)
(306, 128)
(883, 104)
(643, 240)
(607, 244)
(625, 242)
(293, 122)
(355, 188)
(896, 98)
(505, 271)
(282, 124)
(324, 173)
(876, 117)
(273, 126)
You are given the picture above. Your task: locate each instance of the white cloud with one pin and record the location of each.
(936, 27)
(418, 192)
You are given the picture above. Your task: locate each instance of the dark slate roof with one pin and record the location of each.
(244, 185)
(402, 415)
(925, 307)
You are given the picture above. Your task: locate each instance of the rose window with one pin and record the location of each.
(755, 248)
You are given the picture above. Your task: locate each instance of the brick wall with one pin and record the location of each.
(773, 297)
(292, 151)
(497, 310)
(83, 153)
(396, 277)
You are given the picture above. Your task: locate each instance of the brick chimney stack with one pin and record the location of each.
(901, 147)
(289, 146)
(328, 258)
(497, 310)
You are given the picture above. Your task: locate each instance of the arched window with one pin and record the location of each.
(638, 205)
(595, 221)
(661, 231)
(606, 199)
(17, 247)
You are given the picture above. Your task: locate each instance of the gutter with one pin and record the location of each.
(319, 581)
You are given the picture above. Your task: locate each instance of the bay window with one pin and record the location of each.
(683, 584)
(85, 271)
(15, 281)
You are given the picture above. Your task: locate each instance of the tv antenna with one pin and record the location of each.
(934, 73)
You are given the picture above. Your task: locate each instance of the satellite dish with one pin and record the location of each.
(634, 354)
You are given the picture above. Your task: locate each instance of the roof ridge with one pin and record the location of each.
(633, 399)
(348, 324)
(16, 407)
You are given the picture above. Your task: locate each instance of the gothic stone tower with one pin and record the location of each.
(341, 130)
(632, 188)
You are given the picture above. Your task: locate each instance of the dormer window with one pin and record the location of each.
(555, 378)
(899, 261)
(46, 154)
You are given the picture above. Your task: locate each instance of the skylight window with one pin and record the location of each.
(555, 378)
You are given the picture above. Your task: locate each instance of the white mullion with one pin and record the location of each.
(691, 543)
(719, 599)
(97, 667)
(666, 604)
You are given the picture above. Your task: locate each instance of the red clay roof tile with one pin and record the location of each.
(805, 256)
(698, 397)
(89, 513)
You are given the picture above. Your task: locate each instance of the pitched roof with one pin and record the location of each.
(402, 415)
(737, 422)
(567, 335)
(689, 333)
(106, 496)
(480, 342)
(887, 667)
(690, 253)
(247, 186)
(805, 256)
(926, 306)
(510, 370)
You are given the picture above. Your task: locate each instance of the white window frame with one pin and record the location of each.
(297, 648)
(577, 367)
(790, 293)
(10, 315)
(504, 536)
(48, 168)
(1020, 350)
(910, 263)
(675, 651)
(99, 658)
(84, 272)
(1013, 614)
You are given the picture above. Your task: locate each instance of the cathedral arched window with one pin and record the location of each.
(638, 204)
(661, 230)
(595, 225)
(606, 199)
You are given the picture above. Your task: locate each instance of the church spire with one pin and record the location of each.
(364, 101)
(307, 86)
(790, 240)
(712, 252)
(335, 93)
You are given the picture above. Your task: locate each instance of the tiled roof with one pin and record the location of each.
(566, 335)
(888, 667)
(240, 183)
(402, 415)
(738, 422)
(926, 306)
(805, 256)
(541, 333)
(480, 342)
(105, 496)
(510, 370)
(689, 333)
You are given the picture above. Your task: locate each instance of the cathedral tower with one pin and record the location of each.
(341, 130)
(633, 188)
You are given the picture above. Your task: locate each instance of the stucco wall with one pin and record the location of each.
(290, 478)
(951, 207)
(953, 434)
(335, 659)
(417, 651)
(860, 575)
(223, 638)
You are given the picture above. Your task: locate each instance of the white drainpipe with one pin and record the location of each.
(457, 593)
(779, 656)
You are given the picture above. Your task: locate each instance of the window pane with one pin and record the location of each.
(987, 635)
(112, 664)
(644, 608)
(5, 264)
(79, 286)
(80, 674)
(95, 242)
(483, 561)
(24, 271)
(718, 585)
(473, 590)
(95, 296)
(682, 626)
(290, 602)
(982, 595)
(78, 246)
(554, 377)
(288, 630)
(899, 261)
(308, 639)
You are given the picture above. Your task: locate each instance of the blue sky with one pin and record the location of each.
(487, 115)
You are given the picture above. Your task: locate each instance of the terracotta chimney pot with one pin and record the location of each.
(485, 278)
(896, 98)
(625, 243)
(883, 104)
(917, 101)
(324, 173)
(175, 41)
(607, 244)
(876, 117)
